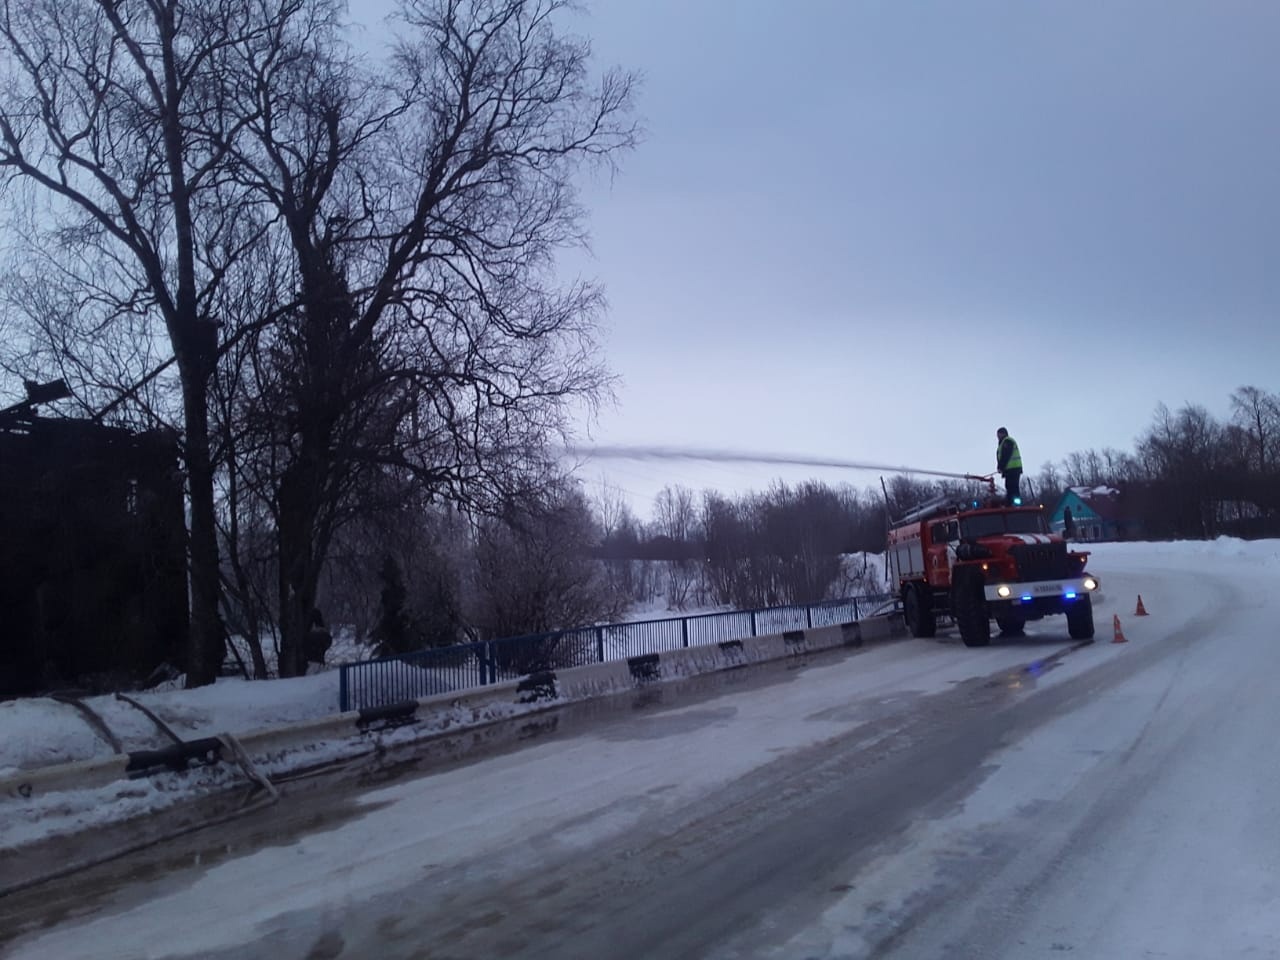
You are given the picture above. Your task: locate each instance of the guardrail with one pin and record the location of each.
(423, 673)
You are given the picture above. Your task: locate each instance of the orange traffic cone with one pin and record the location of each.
(1119, 631)
(1141, 611)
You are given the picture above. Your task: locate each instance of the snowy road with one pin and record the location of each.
(914, 800)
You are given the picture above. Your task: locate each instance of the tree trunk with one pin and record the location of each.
(207, 646)
(303, 546)
(294, 537)
(243, 586)
(260, 671)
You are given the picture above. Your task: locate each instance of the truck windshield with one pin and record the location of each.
(991, 524)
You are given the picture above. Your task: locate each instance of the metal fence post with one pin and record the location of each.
(857, 614)
(753, 623)
(344, 695)
(684, 630)
(600, 644)
(487, 668)
(808, 616)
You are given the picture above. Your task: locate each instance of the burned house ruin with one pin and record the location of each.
(92, 552)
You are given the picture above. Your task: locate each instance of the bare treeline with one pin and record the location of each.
(788, 544)
(590, 560)
(422, 574)
(436, 575)
(1190, 474)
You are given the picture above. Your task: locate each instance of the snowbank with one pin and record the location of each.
(38, 731)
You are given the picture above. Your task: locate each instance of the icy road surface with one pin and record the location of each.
(914, 800)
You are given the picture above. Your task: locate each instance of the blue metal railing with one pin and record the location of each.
(374, 683)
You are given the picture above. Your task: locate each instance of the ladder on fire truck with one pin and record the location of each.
(946, 503)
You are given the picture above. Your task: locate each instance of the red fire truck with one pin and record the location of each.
(978, 560)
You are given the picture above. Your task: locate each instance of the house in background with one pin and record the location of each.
(93, 561)
(1098, 513)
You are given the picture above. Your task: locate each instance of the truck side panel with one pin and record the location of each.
(907, 559)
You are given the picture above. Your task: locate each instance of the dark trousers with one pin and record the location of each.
(1011, 480)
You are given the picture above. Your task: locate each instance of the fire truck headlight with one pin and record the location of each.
(1090, 583)
(1003, 591)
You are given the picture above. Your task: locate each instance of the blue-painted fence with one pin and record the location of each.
(375, 683)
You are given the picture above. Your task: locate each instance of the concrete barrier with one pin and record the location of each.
(441, 714)
(77, 775)
(595, 680)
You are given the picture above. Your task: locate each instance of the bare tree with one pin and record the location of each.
(243, 453)
(727, 539)
(534, 570)
(807, 531)
(612, 511)
(785, 545)
(1117, 466)
(1185, 451)
(906, 492)
(1049, 483)
(675, 520)
(673, 513)
(1257, 413)
(423, 202)
(431, 544)
(113, 114)
(60, 330)
(620, 541)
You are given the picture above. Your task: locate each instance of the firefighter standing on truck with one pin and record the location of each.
(1009, 464)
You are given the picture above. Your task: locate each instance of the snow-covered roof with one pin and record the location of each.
(1086, 493)
(1102, 500)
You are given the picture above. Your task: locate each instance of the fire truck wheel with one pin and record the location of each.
(917, 604)
(969, 607)
(1011, 625)
(1080, 619)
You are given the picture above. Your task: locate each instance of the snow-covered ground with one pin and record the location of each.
(43, 732)
(1133, 817)
(37, 732)
(1140, 824)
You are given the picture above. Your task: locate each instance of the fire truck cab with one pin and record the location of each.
(976, 561)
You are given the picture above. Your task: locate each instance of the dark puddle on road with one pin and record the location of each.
(1025, 677)
(169, 866)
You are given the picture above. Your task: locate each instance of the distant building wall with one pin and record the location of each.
(92, 554)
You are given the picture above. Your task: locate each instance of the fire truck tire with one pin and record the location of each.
(1080, 619)
(917, 605)
(969, 607)
(1011, 625)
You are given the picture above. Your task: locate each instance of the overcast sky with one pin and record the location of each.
(879, 230)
